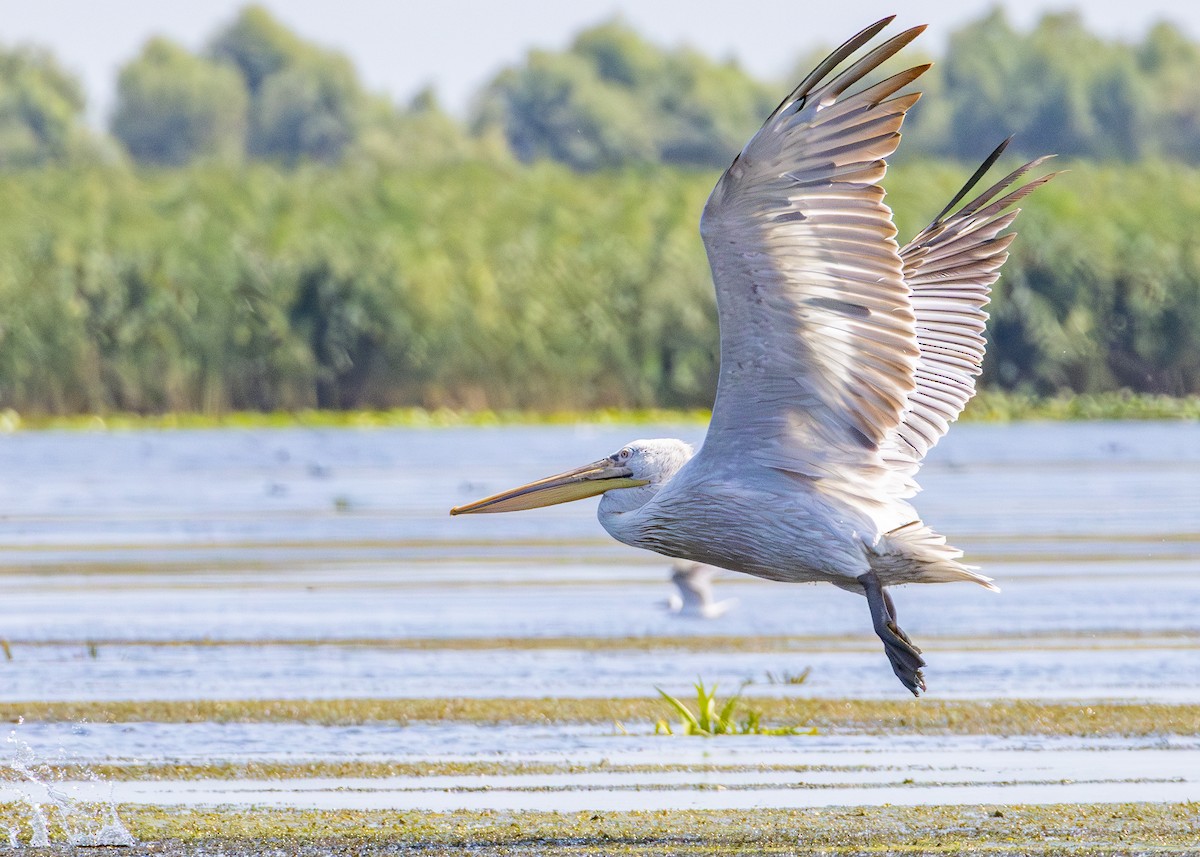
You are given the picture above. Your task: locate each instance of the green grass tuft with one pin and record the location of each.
(708, 720)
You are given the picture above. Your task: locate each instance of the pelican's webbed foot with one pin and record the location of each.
(905, 657)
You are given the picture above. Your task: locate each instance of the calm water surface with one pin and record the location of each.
(302, 563)
(307, 537)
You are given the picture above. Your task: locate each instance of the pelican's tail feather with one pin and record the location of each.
(914, 553)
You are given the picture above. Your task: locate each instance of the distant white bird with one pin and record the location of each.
(695, 597)
(844, 358)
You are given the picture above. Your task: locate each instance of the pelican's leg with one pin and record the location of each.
(905, 658)
(891, 611)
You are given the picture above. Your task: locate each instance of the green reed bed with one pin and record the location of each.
(988, 406)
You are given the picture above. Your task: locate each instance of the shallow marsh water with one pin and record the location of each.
(305, 563)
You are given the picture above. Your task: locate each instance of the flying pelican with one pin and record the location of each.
(695, 597)
(844, 358)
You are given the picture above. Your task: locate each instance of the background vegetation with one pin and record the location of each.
(259, 232)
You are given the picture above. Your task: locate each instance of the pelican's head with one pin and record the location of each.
(643, 465)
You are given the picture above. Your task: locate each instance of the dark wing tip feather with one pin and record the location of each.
(880, 91)
(1011, 198)
(837, 57)
(985, 199)
(873, 60)
(1012, 178)
(974, 179)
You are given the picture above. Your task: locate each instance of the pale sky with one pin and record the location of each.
(457, 45)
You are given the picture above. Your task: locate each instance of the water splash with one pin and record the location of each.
(41, 831)
(83, 824)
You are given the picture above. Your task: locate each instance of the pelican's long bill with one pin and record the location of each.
(586, 481)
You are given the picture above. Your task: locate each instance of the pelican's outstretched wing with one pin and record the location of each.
(950, 267)
(818, 345)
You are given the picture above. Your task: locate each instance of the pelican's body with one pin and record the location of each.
(709, 513)
(844, 358)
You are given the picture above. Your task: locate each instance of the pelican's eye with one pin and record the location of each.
(624, 454)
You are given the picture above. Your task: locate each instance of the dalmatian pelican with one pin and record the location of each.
(844, 358)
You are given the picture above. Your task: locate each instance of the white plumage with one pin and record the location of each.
(844, 358)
